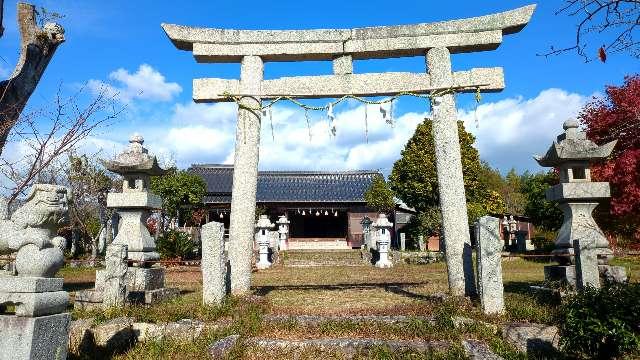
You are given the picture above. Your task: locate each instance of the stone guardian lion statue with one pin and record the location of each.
(31, 231)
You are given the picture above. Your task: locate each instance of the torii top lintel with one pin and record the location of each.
(464, 35)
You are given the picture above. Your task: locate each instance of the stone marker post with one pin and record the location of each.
(453, 202)
(366, 232)
(489, 259)
(422, 245)
(245, 175)
(587, 273)
(214, 267)
(115, 276)
(403, 242)
(263, 239)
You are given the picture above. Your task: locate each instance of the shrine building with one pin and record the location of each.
(325, 208)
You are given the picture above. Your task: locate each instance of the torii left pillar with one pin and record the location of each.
(245, 175)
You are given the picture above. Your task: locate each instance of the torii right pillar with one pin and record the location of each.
(453, 203)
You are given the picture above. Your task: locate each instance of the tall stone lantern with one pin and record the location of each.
(283, 231)
(382, 227)
(144, 282)
(577, 197)
(135, 202)
(262, 238)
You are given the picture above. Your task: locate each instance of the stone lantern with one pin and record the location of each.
(283, 232)
(143, 282)
(382, 228)
(577, 197)
(366, 231)
(262, 238)
(135, 202)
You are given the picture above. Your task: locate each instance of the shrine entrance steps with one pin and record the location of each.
(311, 258)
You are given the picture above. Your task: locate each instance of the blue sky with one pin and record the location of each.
(120, 44)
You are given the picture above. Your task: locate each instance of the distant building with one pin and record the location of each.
(325, 208)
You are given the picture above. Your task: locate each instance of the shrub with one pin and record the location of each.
(602, 323)
(176, 244)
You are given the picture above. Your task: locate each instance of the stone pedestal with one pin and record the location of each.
(133, 208)
(38, 328)
(34, 338)
(567, 274)
(263, 262)
(144, 286)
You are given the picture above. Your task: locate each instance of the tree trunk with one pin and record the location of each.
(75, 235)
(1, 17)
(37, 48)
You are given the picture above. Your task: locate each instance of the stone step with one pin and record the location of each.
(311, 320)
(350, 347)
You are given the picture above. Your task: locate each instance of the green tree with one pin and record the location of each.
(89, 184)
(379, 196)
(180, 191)
(514, 199)
(414, 179)
(542, 213)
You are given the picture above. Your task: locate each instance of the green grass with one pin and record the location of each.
(402, 290)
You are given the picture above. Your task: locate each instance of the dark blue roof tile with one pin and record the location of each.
(289, 186)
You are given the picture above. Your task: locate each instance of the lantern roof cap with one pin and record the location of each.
(135, 159)
(573, 145)
(264, 222)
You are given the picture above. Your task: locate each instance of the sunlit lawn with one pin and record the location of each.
(413, 290)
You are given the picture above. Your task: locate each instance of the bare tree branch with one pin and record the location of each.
(37, 48)
(46, 141)
(604, 27)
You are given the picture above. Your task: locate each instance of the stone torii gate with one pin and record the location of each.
(435, 41)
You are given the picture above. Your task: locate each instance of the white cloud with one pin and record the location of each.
(512, 130)
(293, 149)
(5, 71)
(145, 84)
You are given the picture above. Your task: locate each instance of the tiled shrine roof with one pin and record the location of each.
(289, 186)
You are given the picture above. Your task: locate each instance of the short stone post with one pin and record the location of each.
(382, 228)
(403, 242)
(489, 260)
(115, 276)
(586, 258)
(283, 232)
(422, 245)
(366, 232)
(213, 264)
(262, 238)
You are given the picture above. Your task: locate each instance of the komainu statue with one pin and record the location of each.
(32, 231)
